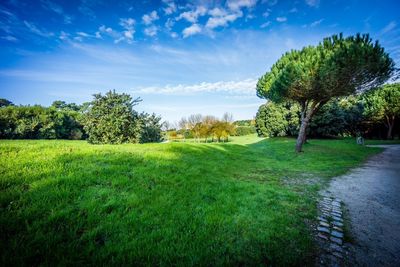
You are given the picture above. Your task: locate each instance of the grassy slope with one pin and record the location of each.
(244, 202)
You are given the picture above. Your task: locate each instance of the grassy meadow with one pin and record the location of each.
(247, 202)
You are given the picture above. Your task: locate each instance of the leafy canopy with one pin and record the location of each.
(336, 67)
(111, 119)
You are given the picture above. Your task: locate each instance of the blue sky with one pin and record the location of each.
(180, 57)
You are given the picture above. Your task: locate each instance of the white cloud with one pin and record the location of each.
(219, 17)
(389, 27)
(64, 36)
(191, 30)
(83, 34)
(193, 15)
(281, 19)
(316, 23)
(265, 14)
(36, 30)
(236, 5)
(169, 24)
(244, 87)
(265, 25)
(151, 31)
(313, 3)
(170, 7)
(128, 25)
(148, 19)
(293, 10)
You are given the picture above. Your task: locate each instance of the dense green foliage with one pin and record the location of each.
(71, 203)
(111, 119)
(277, 119)
(336, 67)
(244, 130)
(383, 105)
(151, 128)
(37, 122)
(349, 116)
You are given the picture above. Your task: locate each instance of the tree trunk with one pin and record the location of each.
(302, 134)
(390, 130)
(305, 119)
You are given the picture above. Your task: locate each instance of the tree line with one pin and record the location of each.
(109, 118)
(374, 114)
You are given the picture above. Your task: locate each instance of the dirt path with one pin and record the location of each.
(371, 197)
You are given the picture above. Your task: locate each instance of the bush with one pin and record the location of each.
(245, 130)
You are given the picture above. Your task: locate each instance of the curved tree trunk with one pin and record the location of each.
(302, 135)
(390, 130)
(305, 119)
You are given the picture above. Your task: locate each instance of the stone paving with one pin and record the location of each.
(330, 232)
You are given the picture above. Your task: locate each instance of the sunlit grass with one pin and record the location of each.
(247, 202)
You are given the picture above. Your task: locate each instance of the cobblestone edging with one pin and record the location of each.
(330, 231)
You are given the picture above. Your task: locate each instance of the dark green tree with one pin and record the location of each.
(336, 67)
(277, 119)
(111, 119)
(4, 102)
(383, 105)
(151, 128)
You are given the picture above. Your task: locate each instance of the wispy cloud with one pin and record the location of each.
(265, 24)
(244, 87)
(191, 30)
(281, 19)
(389, 27)
(86, 8)
(9, 38)
(34, 29)
(312, 3)
(316, 23)
(49, 5)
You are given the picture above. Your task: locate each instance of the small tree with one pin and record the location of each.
(111, 119)
(335, 67)
(194, 124)
(151, 128)
(383, 104)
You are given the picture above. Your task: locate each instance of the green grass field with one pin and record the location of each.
(247, 202)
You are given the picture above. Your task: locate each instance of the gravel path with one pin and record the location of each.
(371, 198)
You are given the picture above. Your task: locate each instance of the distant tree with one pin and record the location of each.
(4, 102)
(195, 125)
(151, 128)
(336, 67)
(383, 105)
(111, 119)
